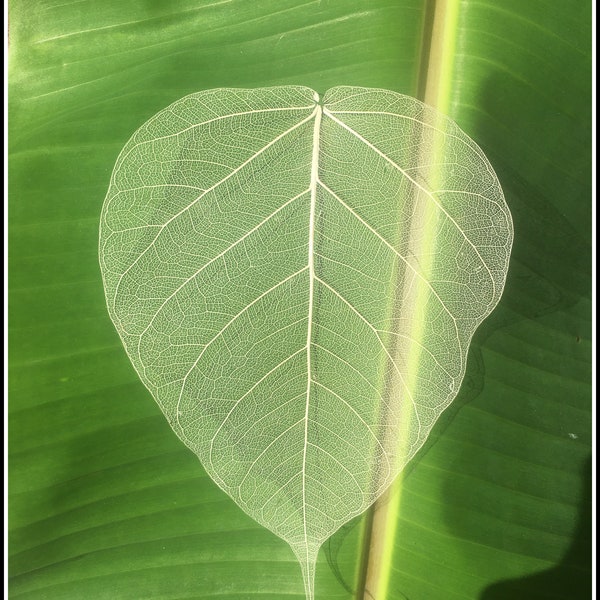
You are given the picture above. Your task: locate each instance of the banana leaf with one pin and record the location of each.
(104, 501)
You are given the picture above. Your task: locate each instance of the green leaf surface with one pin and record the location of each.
(104, 500)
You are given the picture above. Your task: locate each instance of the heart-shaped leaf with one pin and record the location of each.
(297, 281)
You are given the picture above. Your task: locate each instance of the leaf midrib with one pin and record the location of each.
(314, 176)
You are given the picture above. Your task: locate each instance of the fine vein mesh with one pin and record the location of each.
(297, 280)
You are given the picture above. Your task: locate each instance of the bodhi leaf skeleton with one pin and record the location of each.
(296, 279)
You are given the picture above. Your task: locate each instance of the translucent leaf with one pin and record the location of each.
(297, 280)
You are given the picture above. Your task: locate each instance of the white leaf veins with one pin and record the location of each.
(297, 280)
